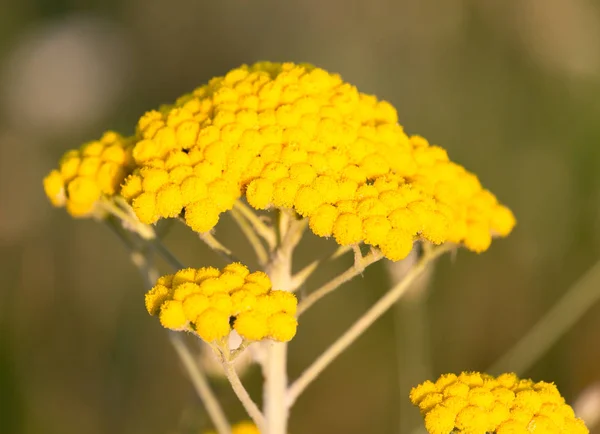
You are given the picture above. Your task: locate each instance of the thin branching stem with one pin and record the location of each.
(242, 394)
(359, 327)
(251, 235)
(265, 231)
(210, 240)
(357, 268)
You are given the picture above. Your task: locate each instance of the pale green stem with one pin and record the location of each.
(128, 219)
(200, 384)
(300, 277)
(357, 268)
(262, 229)
(274, 364)
(250, 233)
(210, 240)
(243, 395)
(582, 295)
(359, 327)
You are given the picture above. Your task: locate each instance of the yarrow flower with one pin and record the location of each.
(297, 137)
(85, 175)
(208, 302)
(477, 403)
(241, 428)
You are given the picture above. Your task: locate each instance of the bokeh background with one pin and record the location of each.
(510, 87)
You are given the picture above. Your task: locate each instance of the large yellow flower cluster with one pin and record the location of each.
(241, 428)
(208, 301)
(474, 403)
(294, 136)
(98, 168)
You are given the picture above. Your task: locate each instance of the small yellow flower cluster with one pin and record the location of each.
(88, 173)
(208, 301)
(474, 403)
(241, 428)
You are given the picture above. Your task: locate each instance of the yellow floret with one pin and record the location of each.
(347, 229)
(251, 325)
(282, 327)
(172, 316)
(212, 324)
(156, 297)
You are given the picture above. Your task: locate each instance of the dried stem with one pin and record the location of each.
(358, 328)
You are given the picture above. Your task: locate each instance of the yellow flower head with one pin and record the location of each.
(208, 301)
(241, 428)
(294, 136)
(477, 403)
(86, 174)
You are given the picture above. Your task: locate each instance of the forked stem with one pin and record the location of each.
(357, 268)
(359, 327)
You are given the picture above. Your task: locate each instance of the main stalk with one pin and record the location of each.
(274, 363)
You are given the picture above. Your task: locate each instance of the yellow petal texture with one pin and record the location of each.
(84, 175)
(475, 403)
(208, 302)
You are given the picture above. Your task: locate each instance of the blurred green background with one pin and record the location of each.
(510, 87)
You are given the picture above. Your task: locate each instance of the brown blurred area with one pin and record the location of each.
(510, 87)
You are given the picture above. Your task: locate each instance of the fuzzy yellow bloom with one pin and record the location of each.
(84, 175)
(290, 136)
(475, 403)
(208, 301)
(241, 428)
(297, 137)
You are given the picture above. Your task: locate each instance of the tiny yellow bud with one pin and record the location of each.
(251, 325)
(156, 297)
(282, 327)
(212, 324)
(347, 229)
(202, 216)
(172, 316)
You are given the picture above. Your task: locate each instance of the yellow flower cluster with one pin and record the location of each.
(294, 136)
(241, 428)
(297, 137)
(209, 301)
(88, 173)
(474, 403)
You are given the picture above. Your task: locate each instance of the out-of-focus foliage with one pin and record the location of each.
(510, 88)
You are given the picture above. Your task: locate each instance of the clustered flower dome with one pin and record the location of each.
(208, 301)
(297, 137)
(86, 174)
(474, 403)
